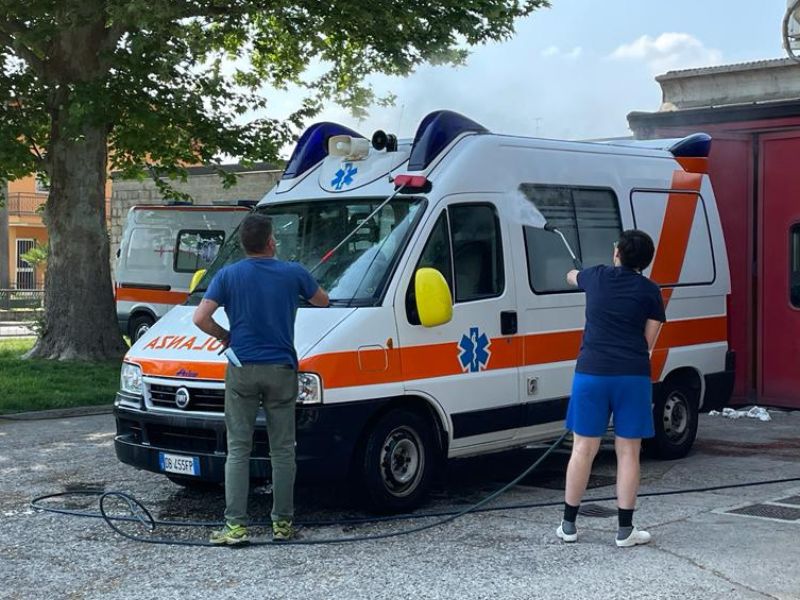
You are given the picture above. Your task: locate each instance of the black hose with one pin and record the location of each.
(143, 516)
(134, 504)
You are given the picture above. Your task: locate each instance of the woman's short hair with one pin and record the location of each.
(255, 232)
(636, 249)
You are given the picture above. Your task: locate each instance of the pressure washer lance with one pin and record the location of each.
(577, 263)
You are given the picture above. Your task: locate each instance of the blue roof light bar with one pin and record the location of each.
(697, 145)
(434, 134)
(312, 147)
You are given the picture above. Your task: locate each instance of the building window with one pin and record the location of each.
(42, 184)
(26, 273)
(197, 249)
(794, 265)
(588, 218)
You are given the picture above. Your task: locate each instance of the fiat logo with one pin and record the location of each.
(182, 397)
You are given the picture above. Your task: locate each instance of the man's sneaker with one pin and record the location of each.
(567, 537)
(635, 538)
(230, 535)
(282, 531)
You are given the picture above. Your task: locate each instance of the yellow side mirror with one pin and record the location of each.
(434, 302)
(198, 275)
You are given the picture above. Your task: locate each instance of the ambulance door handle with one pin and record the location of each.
(508, 322)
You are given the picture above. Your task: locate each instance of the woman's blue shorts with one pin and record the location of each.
(596, 397)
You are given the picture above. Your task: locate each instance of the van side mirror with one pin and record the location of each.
(432, 294)
(198, 275)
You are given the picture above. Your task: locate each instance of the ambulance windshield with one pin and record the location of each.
(358, 272)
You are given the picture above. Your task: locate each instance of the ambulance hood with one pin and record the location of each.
(175, 339)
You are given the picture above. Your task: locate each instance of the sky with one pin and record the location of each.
(575, 70)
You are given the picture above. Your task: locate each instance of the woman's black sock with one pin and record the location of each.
(570, 512)
(625, 516)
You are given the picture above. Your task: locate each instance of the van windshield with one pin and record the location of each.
(359, 271)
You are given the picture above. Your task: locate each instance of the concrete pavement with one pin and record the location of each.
(699, 550)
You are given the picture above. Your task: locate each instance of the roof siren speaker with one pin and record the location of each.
(381, 140)
(348, 147)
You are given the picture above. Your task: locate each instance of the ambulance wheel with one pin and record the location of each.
(397, 461)
(675, 418)
(139, 326)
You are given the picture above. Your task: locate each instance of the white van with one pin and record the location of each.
(383, 398)
(162, 247)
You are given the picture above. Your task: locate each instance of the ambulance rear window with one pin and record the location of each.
(150, 248)
(197, 249)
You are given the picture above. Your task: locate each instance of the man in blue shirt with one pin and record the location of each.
(260, 294)
(624, 314)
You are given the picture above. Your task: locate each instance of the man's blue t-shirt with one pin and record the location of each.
(619, 301)
(260, 296)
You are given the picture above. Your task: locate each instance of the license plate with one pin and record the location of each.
(175, 463)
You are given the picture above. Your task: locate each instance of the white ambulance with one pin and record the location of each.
(451, 331)
(162, 247)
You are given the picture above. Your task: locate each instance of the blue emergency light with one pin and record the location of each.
(697, 145)
(435, 132)
(312, 147)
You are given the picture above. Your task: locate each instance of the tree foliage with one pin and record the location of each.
(157, 73)
(161, 84)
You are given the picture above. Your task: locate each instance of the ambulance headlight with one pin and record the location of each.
(309, 388)
(130, 379)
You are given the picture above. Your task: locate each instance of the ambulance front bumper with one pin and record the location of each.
(326, 441)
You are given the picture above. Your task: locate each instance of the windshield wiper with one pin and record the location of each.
(357, 228)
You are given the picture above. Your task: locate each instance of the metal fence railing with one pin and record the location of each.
(15, 299)
(25, 203)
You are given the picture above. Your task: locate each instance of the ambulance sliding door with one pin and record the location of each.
(551, 314)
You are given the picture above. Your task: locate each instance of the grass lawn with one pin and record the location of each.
(39, 384)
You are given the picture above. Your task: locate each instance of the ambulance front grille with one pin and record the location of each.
(201, 399)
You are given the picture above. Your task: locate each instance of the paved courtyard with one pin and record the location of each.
(699, 551)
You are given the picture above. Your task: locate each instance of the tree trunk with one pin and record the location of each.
(80, 319)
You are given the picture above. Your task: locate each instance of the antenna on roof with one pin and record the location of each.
(791, 29)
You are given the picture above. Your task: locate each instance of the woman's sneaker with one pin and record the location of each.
(634, 538)
(570, 535)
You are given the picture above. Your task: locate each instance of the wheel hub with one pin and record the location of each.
(676, 416)
(402, 461)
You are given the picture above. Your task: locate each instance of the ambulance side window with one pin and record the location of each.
(692, 257)
(436, 255)
(477, 252)
(590, 220)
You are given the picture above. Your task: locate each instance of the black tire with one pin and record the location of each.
(675, 416)
(397, 462)
(139, 326)
(192, 483)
